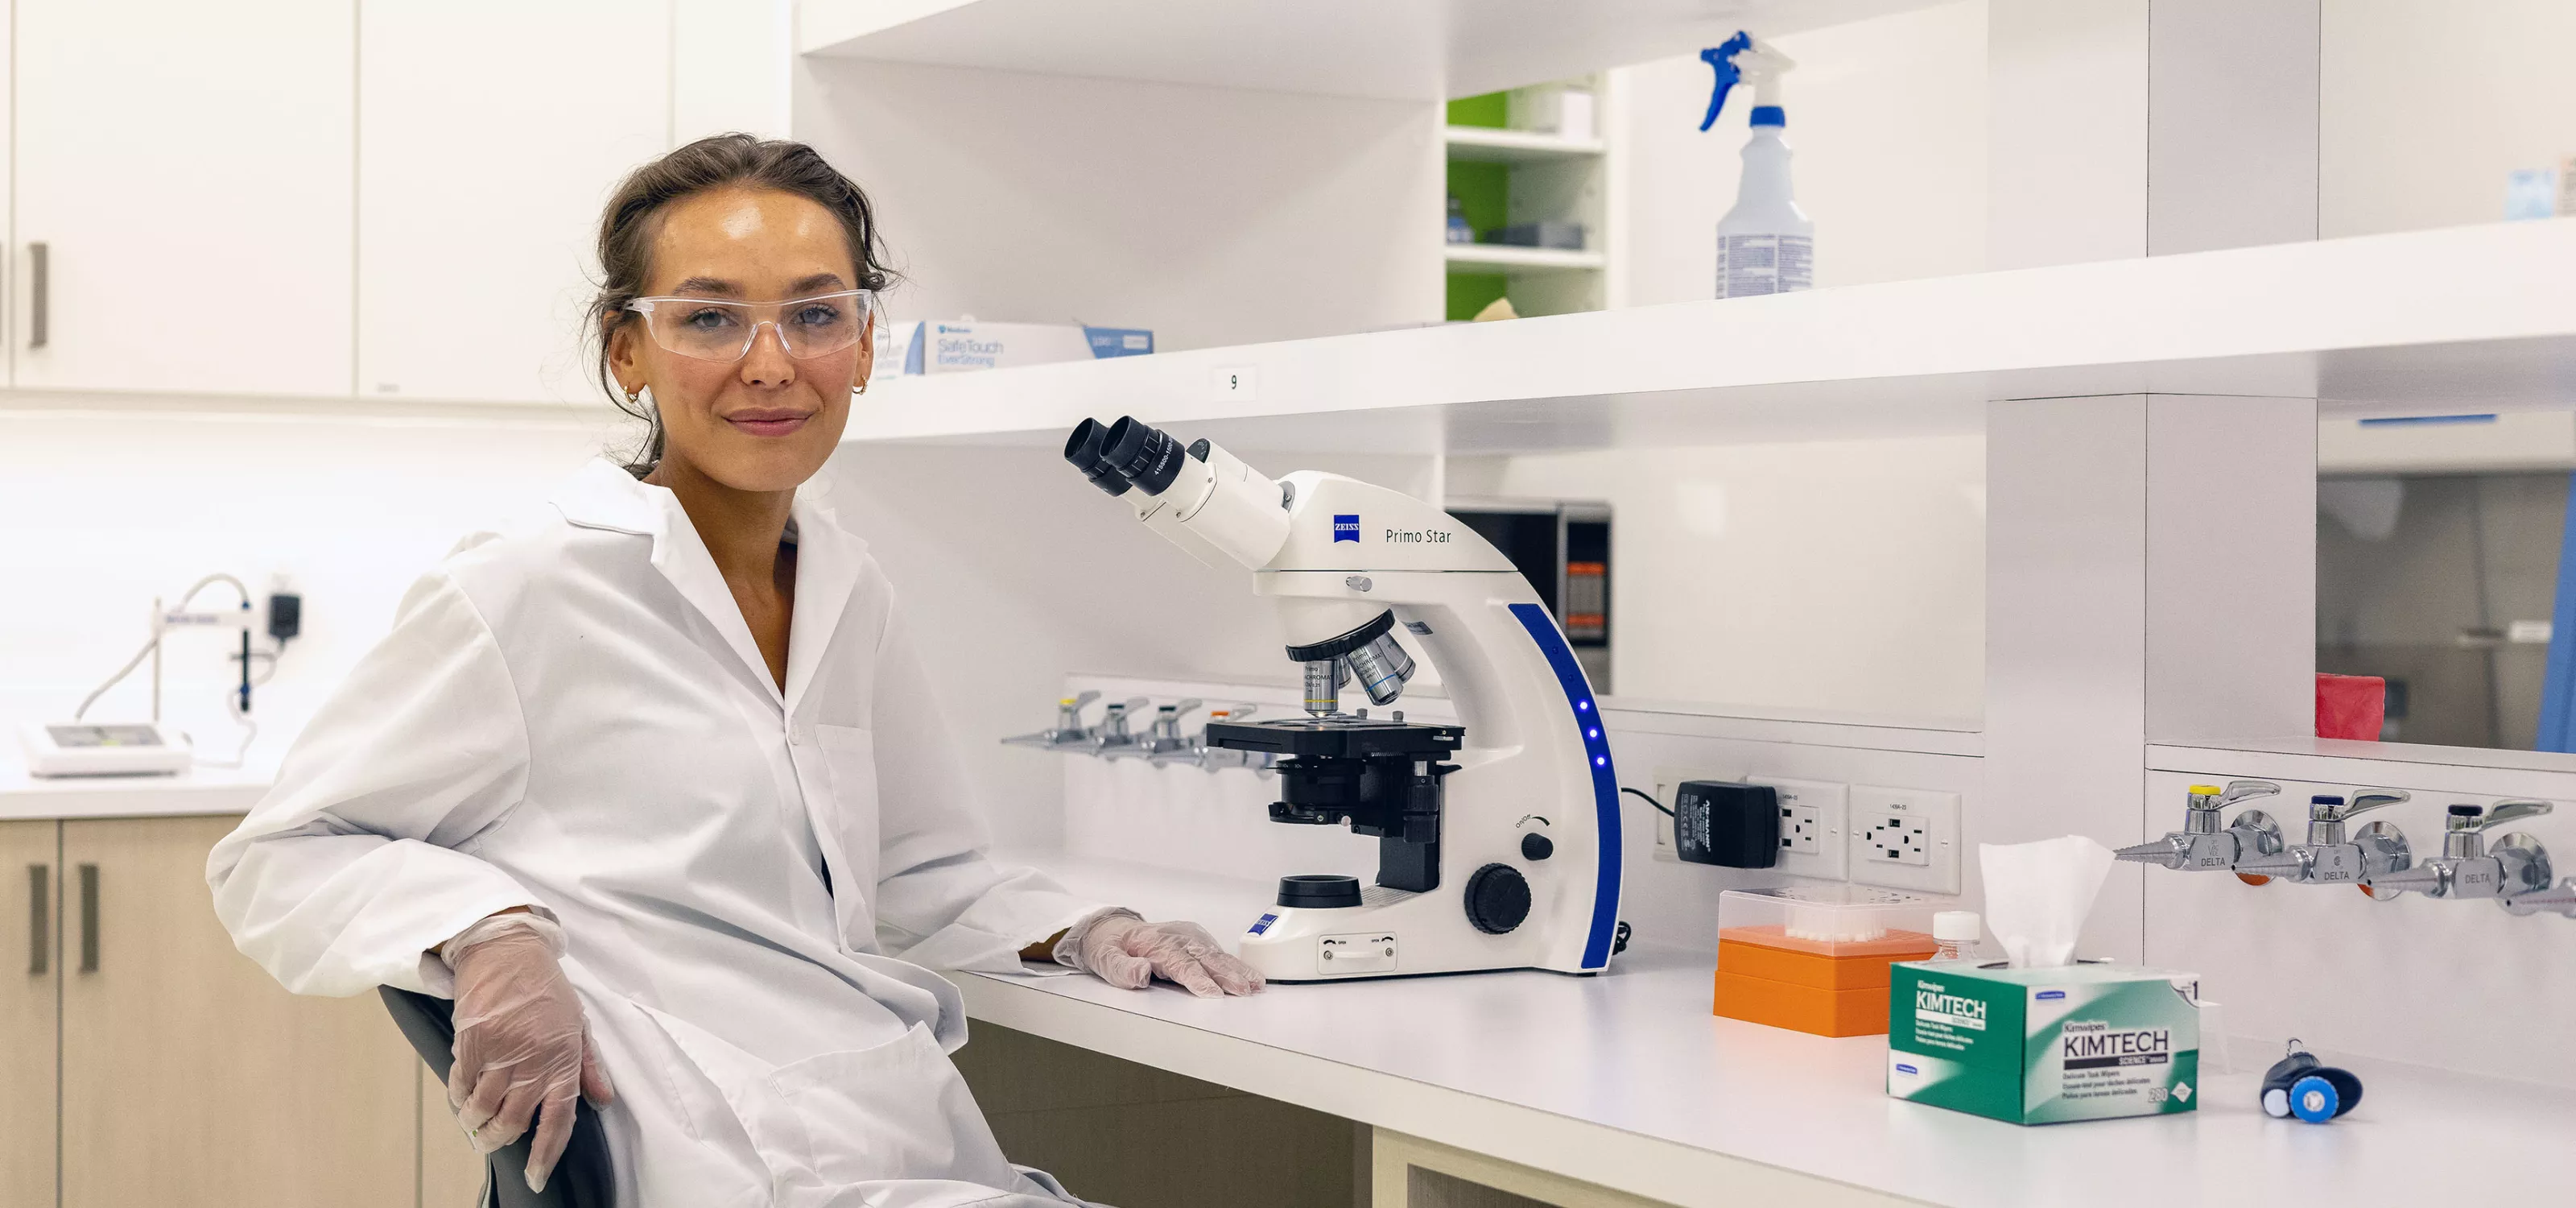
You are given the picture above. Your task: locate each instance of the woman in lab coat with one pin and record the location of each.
(654, 787)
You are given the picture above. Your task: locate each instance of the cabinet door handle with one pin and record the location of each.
(40, 920)
(40, 294)
(89, 918)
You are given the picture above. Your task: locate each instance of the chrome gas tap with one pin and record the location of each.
(2202, 845)
(1068, 730)
(2332, 857)
(1112, 738)
(2466, 869)
(2561, 901)
(1162, 738)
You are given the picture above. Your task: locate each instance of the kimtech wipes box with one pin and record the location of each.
(2043, 1046)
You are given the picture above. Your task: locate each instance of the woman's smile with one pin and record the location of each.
(769, 421)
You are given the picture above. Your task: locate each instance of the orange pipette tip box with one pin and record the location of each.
(1822, 988)
(1816, 960)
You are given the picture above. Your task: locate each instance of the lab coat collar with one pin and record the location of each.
(829, 562)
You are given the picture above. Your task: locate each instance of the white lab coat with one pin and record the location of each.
(574, 717)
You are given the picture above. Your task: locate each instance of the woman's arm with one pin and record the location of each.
(344, 877)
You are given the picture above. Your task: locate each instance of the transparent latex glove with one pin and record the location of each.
(523, 1050)
(1121, 948)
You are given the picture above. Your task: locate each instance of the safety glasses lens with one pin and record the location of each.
(714, 330)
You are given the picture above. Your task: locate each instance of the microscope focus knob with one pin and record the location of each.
(1498, 898)
(1536, 847)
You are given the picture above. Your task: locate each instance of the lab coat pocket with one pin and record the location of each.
(850, 819)
(898, 1111)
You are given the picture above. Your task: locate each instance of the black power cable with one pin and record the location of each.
(1648, 798)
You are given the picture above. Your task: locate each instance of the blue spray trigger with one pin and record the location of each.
(1721, 58)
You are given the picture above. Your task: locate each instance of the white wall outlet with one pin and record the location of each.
(1905, 839)
(1814, 816)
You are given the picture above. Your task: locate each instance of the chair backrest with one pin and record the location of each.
(582, 1179)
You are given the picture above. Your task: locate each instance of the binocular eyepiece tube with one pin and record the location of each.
(1199, 496)
(1125, 454)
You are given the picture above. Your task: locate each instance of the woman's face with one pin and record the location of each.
(767, 420)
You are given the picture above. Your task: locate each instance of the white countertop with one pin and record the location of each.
(201, 790)
(1625, 1080)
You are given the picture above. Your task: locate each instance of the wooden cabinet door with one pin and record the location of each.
(189, 1076)
(190, 170)
(30, 964)
(493, 131)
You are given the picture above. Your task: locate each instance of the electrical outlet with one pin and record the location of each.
(1896, 839)
(1905, 839)
(1813, 817)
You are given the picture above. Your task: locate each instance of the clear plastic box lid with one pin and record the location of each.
(1832, 920)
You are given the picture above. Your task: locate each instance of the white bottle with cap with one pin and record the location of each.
(1956, 933)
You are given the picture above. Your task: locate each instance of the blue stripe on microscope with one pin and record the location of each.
(1605, 780)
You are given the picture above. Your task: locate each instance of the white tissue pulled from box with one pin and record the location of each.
(2037, 895)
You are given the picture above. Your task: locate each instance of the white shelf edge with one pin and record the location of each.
(2414, 767)
(1510, 258)
(2480, 315)
(1684, 719)
(354, 409)
(1519, 146)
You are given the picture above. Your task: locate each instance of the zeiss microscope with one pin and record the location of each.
(1498, 839)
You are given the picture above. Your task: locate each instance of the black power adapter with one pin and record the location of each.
(1724, 823)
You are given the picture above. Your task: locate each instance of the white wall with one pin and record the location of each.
(1014, 573)
(108, 510)
(1842, 576)
(1888, 119)
(2427, 104)
(1211, 215)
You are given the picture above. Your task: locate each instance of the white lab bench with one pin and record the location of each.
(1625, 1082)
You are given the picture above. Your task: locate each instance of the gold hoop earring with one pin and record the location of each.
(635, 396)
(863, 387)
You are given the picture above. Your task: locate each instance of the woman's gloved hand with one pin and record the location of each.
(1121, 948)
(522, 1048)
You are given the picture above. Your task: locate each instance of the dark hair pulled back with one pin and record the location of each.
(721, 161)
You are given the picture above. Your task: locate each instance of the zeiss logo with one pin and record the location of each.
(1903, 1068)
(1346, 528)
(2050, 995)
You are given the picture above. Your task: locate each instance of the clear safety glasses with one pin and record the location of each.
(716, 329)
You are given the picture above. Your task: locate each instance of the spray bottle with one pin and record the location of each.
(1766, 244)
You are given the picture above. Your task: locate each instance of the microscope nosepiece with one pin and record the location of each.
(1083, 450)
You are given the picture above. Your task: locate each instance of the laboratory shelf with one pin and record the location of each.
(1425, 50)
(2415, 767)
(2476, 318)
(1505, 258)
(1626, 1081)
(1489, 145)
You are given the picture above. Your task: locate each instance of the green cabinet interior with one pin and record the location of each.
(1484, 192)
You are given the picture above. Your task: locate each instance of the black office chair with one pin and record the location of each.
(582, 1179)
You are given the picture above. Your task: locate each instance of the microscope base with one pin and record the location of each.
(1392, 933)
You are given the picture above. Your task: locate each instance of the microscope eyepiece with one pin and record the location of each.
(1143, 454)
(1083, 450)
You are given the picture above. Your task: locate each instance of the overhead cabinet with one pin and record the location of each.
(184, 178)
(492, 131)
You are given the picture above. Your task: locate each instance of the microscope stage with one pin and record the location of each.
(1339, 736)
